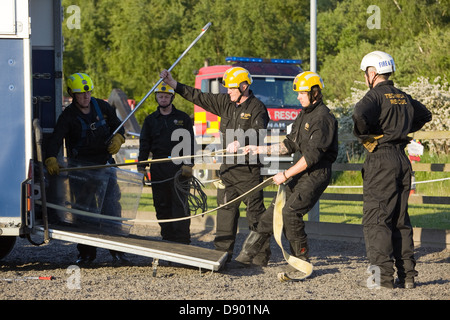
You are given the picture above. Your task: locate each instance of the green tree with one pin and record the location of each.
(414, 33)
(125, 44)
(86, 47)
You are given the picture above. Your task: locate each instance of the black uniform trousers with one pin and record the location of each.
(170, 205)
(302, 193)
(237, 179)
(387, 228)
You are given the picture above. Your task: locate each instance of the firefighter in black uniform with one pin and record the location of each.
(315, 135)
(382, 120)
(156, 137)
(86, 124)
(238, 109)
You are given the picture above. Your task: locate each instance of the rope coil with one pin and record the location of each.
(197, 200)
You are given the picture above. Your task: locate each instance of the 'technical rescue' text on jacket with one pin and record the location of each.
(388, 111)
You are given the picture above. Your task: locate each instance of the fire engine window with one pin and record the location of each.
(205, 85)
(275, 92)
(213, 86)
(222, 89)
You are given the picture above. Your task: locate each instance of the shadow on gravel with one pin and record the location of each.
(322, 272)
(442, 254)
(433, 282)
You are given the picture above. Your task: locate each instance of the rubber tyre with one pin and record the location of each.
(203, 174)
(6, 245)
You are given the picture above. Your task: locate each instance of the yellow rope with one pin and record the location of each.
(298, 264)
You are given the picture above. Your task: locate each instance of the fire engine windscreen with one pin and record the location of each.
(275, 92)
(110, 192)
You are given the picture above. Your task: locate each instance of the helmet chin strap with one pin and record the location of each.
(239, 98)
(373, 80)
(241, 94)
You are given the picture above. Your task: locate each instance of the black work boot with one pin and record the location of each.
(118, 257)
(405, 283)
(251, 247)
(263, 256)
(86, 254)
(299, 249)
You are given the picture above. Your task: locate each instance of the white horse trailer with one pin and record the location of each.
(31, 55)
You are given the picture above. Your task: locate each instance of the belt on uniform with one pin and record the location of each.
(390, 146)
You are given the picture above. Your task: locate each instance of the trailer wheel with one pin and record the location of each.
(203, 174)
(6, 245)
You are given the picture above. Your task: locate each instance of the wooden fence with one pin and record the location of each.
(428, 167)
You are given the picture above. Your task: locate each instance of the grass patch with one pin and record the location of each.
(424, 215)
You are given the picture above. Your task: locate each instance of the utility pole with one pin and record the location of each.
(314, 214)
(313, 35)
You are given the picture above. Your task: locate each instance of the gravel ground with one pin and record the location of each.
(338, 266)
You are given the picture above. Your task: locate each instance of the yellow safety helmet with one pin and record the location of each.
(306, 80)
(164, 88)
(80, 82)
(233, 77)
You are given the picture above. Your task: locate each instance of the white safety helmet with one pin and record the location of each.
(380, 60)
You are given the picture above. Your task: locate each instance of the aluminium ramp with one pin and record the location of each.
(169, 251)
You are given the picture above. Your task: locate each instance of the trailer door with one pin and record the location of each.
(15, 110)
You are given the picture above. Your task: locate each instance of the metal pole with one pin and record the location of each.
(205, 28)
(314, 214)
(313, 36)
(39, 138)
